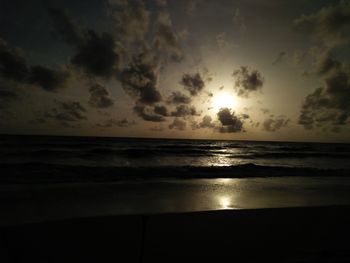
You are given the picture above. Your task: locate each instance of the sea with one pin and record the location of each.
(50, 177)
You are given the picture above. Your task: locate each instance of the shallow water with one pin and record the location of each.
(25, 203)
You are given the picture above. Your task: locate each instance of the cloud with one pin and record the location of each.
(13, 65)
(131, 21)
(48, 79)
(178, 125)
(273, 124)
(7, 96)
(65, 26)
(265, 111)
(147, 113)
(140, 79)
(230, 122)
(193, 83)
(326, 63)
(66, 112)
(280, 57)
(110, 123)
(177, 97)
(165, 39)
(184, 110)
(247, 81)
(161, 2)
(192, 6)
(330, 24)
(96, 55)
(99, 97)
(239, 20)
(207, 122)
(161, 110)
(328, 106)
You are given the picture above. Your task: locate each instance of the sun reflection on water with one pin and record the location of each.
(225, 202)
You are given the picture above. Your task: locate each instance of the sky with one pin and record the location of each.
(196, 69)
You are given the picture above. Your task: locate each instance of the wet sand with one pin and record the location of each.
(309, 234)
(40, 203)
(244, 220)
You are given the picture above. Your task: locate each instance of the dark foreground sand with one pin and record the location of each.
(318, 234)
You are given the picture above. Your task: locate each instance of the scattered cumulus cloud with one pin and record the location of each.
(329, 25)
(67, 112)
(273, 124)
(99, 97)
(178, 124)
(147, 113)
(193, 83)
(110, 123)
(177, 97)
(14, 67)
(230, 122)
(328, 106)
(184, 111)
(247, 81)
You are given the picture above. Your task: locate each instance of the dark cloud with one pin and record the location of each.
(265, 110)
(99, 97)
(328, 106)
(192, 6)
(184, 110)
(230, 122)
(110, 123)
(239, 20)
(193, 83)
(48, 79)
(65, 26)
(13, 65)
(7, 96)
(247, 81)
(326, 63)
(161, 2)
(157, 129)
(165, 39)
(178, 124)
(273, 124)
(70, 111)
(178, 98)
(207, 122)
(281, 56)
(147, 113)
(330, 24)
(96, 55)
(131, 21)
(161, 110)
(140, 79)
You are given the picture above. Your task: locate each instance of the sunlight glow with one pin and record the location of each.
(223, 100)
(225, 202)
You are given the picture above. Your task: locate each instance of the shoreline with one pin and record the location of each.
(33, 203)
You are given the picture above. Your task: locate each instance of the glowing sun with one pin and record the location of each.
(223, 100)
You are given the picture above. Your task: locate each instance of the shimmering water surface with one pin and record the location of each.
(61, 177)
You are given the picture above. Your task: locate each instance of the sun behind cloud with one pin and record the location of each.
(223, 100)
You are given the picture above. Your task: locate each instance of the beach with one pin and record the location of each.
(123, 200)
(31, 203)
(310, 234)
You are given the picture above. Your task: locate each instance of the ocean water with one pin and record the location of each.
(49, 178)
(48, 159)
